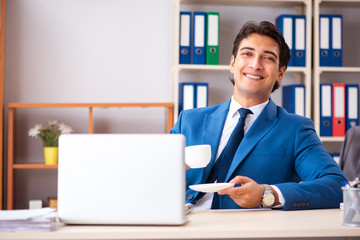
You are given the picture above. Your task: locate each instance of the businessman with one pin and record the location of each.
(274, 158)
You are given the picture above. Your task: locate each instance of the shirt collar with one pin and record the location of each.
(235, 106)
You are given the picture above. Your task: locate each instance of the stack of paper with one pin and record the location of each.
(44, 219)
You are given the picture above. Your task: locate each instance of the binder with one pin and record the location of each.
(336, 41)
(338, 109)
(212, 38)
(285, 24)
(186, 96)
(352, 105)
(202, 94)
(326, 110)
(198, 38)
(324, 38)
(185, 38)
(293, 99)
(300, 40)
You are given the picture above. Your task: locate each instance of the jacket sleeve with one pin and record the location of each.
(321, 176)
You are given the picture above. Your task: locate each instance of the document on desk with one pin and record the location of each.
(44, 219)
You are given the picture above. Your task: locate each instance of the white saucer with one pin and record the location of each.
(210, 187)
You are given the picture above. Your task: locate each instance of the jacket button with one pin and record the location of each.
(294, 204)
(190, 196)
(303, 204)
(307, 204)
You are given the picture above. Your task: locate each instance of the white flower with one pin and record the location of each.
(50, 133)
(65, 128)
(35, 131)
(53, 122)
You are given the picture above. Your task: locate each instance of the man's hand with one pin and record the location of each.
(248, 195)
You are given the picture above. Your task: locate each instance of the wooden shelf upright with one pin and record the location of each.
(2, 85)
(13, 106)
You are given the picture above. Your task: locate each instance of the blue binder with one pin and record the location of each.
(324, 39)
(293, 99)
(202, 94)
(299, 40)
(352, 105)
(326, 110)
(198, 38)
(285, 24)
(336, 52)
(185, 38)
(187, 96)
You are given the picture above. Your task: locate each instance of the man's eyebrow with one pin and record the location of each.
(266, 51)
(272, 53)
(249, 48)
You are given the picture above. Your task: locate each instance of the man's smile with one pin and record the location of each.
(253, 76)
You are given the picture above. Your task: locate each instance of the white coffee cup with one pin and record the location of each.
(198, 156)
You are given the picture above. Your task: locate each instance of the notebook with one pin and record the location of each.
(132, 179)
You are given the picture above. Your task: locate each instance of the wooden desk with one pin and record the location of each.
(217, 224)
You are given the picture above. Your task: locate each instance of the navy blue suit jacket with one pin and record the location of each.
(280, 148)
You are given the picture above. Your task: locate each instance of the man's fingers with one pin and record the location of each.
(231, 191)
(240, 180)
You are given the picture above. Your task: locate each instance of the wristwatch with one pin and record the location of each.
(268, 198)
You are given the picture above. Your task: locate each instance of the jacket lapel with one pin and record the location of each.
(262, 125)
(213, 126)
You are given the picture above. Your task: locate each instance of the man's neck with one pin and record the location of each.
(249, 102)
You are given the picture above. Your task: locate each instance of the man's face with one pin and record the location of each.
(256, 69)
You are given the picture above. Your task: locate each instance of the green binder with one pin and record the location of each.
(212, 38)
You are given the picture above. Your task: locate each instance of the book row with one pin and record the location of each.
(339, 103)
(193, 95)
(339, 106)
(199, 38)
(293, 28)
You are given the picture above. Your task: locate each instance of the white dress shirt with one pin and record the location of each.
(230, 123)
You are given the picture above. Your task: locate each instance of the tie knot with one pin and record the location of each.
(244, 112)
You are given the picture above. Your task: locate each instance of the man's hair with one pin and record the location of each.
(264, 28)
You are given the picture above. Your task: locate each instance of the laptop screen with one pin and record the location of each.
(121, 179)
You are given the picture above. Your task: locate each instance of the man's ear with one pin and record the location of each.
(281, 74)
(232, 62)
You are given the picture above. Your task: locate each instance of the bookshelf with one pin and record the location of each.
(13, 165)
(350, 71)
(233, 14)
(2, 85)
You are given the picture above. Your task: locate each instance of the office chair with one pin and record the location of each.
(350, 154)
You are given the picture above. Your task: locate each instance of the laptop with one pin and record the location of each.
(131, 179)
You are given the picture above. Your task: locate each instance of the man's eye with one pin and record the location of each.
(246, 54)
(270, 59)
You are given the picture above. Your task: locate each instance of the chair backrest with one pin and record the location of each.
(350, 154)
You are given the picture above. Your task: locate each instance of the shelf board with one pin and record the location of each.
(33, 166)
(340, 69)
(340, 3)
(332, 139)
(246, 2)
(196, 67)
(190, 67)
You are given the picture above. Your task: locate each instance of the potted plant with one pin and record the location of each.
(50, 134)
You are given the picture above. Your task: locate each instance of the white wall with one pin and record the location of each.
(84, 51)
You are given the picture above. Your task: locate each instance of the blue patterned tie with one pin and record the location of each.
(222, 165)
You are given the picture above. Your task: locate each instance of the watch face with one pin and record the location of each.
(269, 199)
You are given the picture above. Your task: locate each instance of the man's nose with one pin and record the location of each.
(256, 63)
